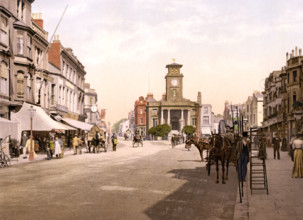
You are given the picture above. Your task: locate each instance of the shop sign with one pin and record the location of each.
(72, 116)
(68, 84)
(46, 76)
(62, 108)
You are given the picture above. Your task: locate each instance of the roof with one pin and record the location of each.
(41, 121)
(174, 65)
(78, 124)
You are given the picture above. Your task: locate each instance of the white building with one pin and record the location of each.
(123, 127)
(207, 119)
(90, 105)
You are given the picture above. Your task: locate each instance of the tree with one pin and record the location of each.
(160, 130)
(115, 128)
(189, 130)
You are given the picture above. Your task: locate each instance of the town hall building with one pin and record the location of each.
(173, 109)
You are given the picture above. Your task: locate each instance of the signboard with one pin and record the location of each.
(46, 76)
(68, 84)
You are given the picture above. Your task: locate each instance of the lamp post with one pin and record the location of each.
(32, 112)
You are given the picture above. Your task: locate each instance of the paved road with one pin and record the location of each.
(153, 182)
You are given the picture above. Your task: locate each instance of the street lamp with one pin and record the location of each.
(32, 112)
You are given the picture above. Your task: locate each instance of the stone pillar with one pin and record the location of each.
(188, 117)
(162, 117)
(181, 120)
(168, 117)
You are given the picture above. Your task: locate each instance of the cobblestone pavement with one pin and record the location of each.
(150, 182)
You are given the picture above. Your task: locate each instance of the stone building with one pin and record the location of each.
(207, 119)
(252, 110)
(68, 73)
(90, 105)
(140, 115)
(23, 76)
(173, 109)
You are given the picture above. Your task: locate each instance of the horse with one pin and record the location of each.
(200, 143)
(137, 139)
(221, 149)
(175, 140)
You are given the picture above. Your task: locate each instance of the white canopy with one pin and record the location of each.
(41, 121)
(78, 124)
(8, 127)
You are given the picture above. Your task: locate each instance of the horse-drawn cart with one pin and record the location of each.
(96, 139)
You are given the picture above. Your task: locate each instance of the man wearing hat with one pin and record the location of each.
(276, 145)
(243, 150)
(76, 142)
(298, 155)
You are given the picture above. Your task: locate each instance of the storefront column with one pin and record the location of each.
(188, 117)
(168, 117)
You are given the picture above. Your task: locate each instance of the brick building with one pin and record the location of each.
(140, 115)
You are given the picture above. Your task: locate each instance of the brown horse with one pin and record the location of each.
(222, 147)
(200, 143)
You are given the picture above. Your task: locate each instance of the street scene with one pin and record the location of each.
(151, 109)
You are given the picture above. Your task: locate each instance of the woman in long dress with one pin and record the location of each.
(57, 148)
(298, 155)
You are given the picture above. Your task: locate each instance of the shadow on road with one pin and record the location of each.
(199, 198)
(198, 161)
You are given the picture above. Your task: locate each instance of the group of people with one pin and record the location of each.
(296, 144)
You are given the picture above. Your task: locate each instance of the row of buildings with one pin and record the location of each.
(279, 108)
(34, 71)
(172, 109)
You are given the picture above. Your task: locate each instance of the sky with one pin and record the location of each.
(227, 48)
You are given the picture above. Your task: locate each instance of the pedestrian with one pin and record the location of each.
(276, 145)
(30, 147)
(243, 149)
(262, 148)
(51, 147)
(76, 143)
(114, 141)
(298, 155)
(57, 148)
(23, 143)
(61, 142)
(291, 150)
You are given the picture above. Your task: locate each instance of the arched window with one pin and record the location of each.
(20, 84)
(4, 78)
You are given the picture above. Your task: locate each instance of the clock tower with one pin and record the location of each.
(174, 82)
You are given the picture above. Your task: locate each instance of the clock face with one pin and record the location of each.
(174, 82)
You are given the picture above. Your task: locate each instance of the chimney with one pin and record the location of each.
(199, 98)
(54, 52)
(38, 20)
(56, 39)
(286, 56)
(300, 52)
(296, 54)
(292, 53)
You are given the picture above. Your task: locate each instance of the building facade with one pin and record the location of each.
(252, 110)
(90, 105)
(140, 115)
(23, 57)
(207, 119)
(68, 73)
(173, 109)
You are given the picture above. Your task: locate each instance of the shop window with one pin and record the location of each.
(3, 30)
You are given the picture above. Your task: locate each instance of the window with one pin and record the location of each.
(174, 92)
(194, 121)
(155, 122)
(294, 75)
(155, 111)
(3, 78)
(294, 98)
(141, 121)
(205, 110)
(28, 86)
(53, 94)
(3, 31)
(29, 46)
(90, 100)
(21, 9)
(206, 120)
(20, 43)
(141, 111)
(70, 74)
(247, 107)
(63, 91)
(59, 96)
(20, 82)
(63, 67)
(66, 71)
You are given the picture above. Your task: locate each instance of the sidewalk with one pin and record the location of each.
(285, 198)
(40, 156)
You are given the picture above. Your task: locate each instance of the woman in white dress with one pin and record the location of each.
(57, 148)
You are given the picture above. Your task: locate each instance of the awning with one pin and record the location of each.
(8, 127)
(78, 124)
(41, 121)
